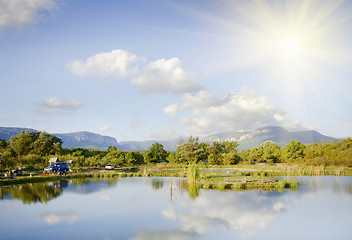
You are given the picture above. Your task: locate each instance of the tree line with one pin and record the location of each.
(35, 148)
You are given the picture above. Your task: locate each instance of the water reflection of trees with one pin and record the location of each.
(336, 184)
(44, 192)
(84, 181)
(157, 183)
(33, 192)
(182, 184)
(90, 185)
(192, 188)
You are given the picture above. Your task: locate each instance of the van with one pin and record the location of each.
(54, 167)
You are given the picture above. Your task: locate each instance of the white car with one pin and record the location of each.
(110, 167)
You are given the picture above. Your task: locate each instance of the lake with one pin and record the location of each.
(166, 208)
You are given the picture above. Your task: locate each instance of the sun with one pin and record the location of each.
(291, 45)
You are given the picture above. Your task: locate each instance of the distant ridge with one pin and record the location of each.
(7, 132)
(246, 139)
(279, 135)
(82, 139)
(86, 139)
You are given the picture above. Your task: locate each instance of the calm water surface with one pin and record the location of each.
(165, 208)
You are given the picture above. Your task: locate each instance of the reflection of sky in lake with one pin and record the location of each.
(154, 208)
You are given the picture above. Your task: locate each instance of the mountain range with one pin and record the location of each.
(279, 135)
(246, 139)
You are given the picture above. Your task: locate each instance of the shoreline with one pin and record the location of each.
(210, 177)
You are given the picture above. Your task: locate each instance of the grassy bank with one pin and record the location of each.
(242, 177)
(244, 184)
(55, 177)
(294, 170)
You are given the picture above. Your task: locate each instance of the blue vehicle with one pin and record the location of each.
(60, 167)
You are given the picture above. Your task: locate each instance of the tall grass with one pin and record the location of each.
(193, 173)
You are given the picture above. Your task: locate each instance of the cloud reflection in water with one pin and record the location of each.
(170, 235)
(55, 218)
(242, 212)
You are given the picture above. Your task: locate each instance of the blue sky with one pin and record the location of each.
(138, 70)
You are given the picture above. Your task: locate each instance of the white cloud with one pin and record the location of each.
(118, 63)
(198, 124)
(171, 110)
(19, 13)
(232, 111)
(166, 76)
(200, 100)
(296, 126)
(55, 218)
(103, 128)
(166, 133)
(55, 103)
(279, 117)
(160, 76)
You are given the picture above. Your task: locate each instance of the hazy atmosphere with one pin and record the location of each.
(138, 70)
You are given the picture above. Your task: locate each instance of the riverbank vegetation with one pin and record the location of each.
(32, 150)
(196, 178)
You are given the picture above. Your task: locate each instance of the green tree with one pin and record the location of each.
(215, 150)
(229, 147)
(155, 153)
(312, 151)
(22, 143)
(229, 153)
(39, 143)
(139, 157)
(3, 145)
(231, 158)
(189, 151)
(255, 155)
(46, 144)
(111, 149)
(173, 157)
(294, 151)
(130, 158)
(271, 152)
(203, 154)
(222, 153)
(346, 143)
(8, 158)
(244, 155)
(115, 157)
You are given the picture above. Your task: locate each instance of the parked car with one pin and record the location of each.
(110, 167)
(17, 172)
(55, 167)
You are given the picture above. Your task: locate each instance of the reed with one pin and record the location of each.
(145, 172)
(193, 173)
(340, 171)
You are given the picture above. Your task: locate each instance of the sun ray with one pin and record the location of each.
(294, 43)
